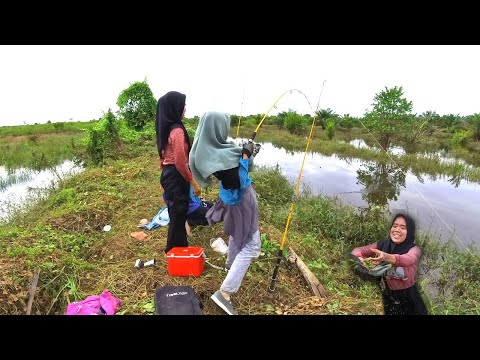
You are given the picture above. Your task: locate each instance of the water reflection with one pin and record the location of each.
(396, 150)
(359, 144)
(22, 186)
(444, 157)
(438, 202)
(382, 182)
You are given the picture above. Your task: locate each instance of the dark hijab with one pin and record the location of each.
(390, 247)
(169, 116)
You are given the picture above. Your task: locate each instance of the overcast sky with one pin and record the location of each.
(58, 83)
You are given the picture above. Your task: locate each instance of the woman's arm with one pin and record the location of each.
(245, 180)
(180, 155)
(408, 259)
(364, 251)
(196, 188)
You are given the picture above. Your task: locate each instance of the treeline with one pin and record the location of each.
(389, 119)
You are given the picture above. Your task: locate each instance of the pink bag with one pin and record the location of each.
(104, 304)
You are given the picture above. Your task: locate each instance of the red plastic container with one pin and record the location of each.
(186, 261)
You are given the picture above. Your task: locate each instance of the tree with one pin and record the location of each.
(414, 128)
(112, 135)
(137, 105)
(234, 120)
(330, 129)
(279, 120)
(295, 123)
(104, 140)
(474, 121)
(323, 115)
(450, 120)
(389, 110)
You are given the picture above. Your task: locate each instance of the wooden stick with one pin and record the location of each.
(310, 277)
(33, 287)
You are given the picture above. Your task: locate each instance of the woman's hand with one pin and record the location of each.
(196, 188)
(248, 149)
(379, 256)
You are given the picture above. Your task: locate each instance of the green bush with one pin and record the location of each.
(191, 133)
(295, 123)
(137, 105)
(59, 126)
(330, 128)
(278, 120)
(460, 138)
(234, 120)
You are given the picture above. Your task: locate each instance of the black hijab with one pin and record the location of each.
(390, 247)
(169, 116)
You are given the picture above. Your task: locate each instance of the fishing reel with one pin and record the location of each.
(290, 261)
(256, 147)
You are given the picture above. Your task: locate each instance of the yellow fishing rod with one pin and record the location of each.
(295, 193)
(271, 107)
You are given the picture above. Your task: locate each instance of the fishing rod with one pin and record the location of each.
(241, 112)
(271, 107)
(295, 193)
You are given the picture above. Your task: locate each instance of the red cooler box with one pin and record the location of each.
(186, 261)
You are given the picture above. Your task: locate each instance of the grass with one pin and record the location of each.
(38, 151)
(76, 258)
(52, 128)
(62, 235)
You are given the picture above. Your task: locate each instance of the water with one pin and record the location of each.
(441, 155)
(445, 208)
(23, 186)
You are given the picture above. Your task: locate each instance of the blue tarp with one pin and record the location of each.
(161, 219)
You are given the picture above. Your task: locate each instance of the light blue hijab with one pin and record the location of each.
(211, 152)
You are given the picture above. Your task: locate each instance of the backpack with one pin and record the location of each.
(177, 300)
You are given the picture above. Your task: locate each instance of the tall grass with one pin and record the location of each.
(52, 128)
(327, 231)
(38, 152)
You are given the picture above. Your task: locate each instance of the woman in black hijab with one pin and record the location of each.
(399, 283)
(174, 146)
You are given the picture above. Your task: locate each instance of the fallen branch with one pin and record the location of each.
(309, 276)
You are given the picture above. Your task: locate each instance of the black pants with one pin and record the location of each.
(177, 195)
(404, 302)
(198, 216)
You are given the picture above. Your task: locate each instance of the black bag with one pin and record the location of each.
(177, 300)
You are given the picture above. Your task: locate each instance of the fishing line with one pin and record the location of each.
(423, 197)
(295, 193)
(273, 105)
(241, 112)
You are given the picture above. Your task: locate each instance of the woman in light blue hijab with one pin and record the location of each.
(213, 154)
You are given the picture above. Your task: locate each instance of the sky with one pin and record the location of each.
(39, 83)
